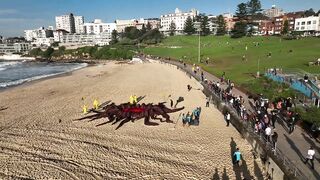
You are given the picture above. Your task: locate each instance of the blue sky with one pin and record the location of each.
(17, 15)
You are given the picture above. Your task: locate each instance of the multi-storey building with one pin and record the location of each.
(230, 21)
(15, 48)
(154, 22)
(46, 42)
(290, 17)
(273, 12)
(78, 24)
(97, 27)
(31, 35)
(86, 39)
(178, 18)
(308, 25)
(122, 24)
(213, 26)
(266, 27)
(70, 23)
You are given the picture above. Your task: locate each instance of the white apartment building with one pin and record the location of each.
(70, 23)
(122, 24)
(58, 34)
(273, 12)
(43, 42)
(86, 39)
(98, 27)
(178, 17)
(31, 35)
(14, 48)
(78, 24)
(308, 25)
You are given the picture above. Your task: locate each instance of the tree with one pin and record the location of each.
(253, 7)
(35, 52)
(132, 33)
(143, 29)
(55, 44)
(285, 28)
(253, 13)
(239, 30)
(318, 13)
(149, 27)
(151, 37)
(114, 37)
(242, 12)
(311, 115)
(172, 28)
(204, 24)
(189, 26)
(221, 26)
(309, 12)
(48, 52)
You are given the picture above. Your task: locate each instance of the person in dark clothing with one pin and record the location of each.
(274, 138)
(208, 102)
(189, 87)
(202, 76)
(291, 123)
(306, 78)
(274, 118)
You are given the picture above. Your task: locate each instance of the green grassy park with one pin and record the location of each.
(225, 54)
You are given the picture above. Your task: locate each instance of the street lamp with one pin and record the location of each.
(197, 25)
(258, 73)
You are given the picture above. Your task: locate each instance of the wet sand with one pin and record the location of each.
(39, 138)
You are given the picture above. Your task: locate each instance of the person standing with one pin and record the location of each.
(291, 124)
(228, 117)
(274, 138)
(208, 101)
(131, 99)
(268, 133)
(237, 157)
(273, 118)
(202, 76)
(96, 104)
(310, 156)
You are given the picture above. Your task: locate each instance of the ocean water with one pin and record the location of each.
(14, 73)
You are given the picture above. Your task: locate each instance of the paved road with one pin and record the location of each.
(294, 146)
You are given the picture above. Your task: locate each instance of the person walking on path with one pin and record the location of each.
(291, 123)
(310, 156)
(208, 101)
(237, 157)
(228, 116)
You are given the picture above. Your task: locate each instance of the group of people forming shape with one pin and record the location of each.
(193, 118)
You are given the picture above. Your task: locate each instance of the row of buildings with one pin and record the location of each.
(296, 23)
(72, 31)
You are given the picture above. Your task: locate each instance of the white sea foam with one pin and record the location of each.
(20, 81)
(5, 65)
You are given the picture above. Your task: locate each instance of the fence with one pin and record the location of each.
(246, 128)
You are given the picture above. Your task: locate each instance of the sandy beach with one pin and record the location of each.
(39, 138)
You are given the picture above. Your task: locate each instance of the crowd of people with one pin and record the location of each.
(192, 118)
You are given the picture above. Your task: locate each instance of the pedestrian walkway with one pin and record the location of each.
(294, 146)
